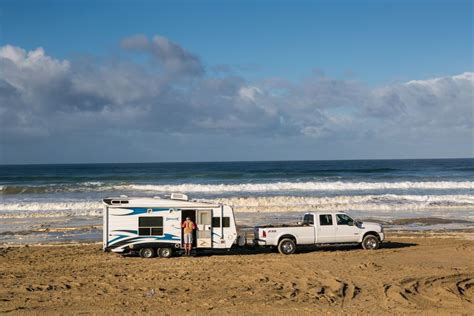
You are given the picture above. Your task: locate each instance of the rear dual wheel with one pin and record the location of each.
(286, 246)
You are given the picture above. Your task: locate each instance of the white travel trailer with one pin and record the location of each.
(152, 226)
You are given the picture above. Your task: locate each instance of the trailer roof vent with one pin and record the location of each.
(179, 196)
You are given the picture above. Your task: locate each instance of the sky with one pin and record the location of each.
(150, 81)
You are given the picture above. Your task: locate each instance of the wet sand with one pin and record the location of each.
(427, 273)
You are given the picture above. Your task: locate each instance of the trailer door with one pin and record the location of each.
(204, 229)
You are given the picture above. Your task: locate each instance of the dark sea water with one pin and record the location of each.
(367, 188)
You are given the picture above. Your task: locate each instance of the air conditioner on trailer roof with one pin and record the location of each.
(179, 196)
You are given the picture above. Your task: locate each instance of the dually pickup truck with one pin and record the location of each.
(318, 229)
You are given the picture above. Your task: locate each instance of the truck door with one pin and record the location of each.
(326, 229)
(309, 231)
(346, 229)
(204, 228)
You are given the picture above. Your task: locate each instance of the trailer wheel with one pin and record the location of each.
(165, 252)
(286, 246)
(370, 242)
(147, 252)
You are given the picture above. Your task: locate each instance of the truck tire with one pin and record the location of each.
(147, 252)
(370, 242)
(286, 246)
(165, 252)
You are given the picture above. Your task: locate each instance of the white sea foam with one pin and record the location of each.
(301, 186)
(386, 203)
(50, 209)
(308, 186)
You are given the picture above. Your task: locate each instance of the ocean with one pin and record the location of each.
(55, 201)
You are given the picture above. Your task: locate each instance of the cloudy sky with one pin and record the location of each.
(207, 81)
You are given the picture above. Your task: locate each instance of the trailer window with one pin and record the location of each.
(225, 221)
(216, 222)
(325, 220)
(150, 226)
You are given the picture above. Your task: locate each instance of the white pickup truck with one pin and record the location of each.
(320, 228)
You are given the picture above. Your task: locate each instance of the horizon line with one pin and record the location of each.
(226, 161)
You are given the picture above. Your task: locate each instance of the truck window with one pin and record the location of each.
(150, 226)
(325, 220)
(308, 219)
(343, 219)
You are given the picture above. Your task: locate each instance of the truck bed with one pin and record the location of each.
(280, 225)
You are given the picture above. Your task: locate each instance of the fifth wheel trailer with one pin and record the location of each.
(152, 226)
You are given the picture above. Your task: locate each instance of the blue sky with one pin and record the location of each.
(375, 41)
(235, 80)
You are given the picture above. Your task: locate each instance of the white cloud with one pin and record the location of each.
(43, 98)
(174, 58)
(249, 93)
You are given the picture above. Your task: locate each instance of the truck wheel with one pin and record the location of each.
(165, 252)
(286, 246)
(147, 252)
(370, 242)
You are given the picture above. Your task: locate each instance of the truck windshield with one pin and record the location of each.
(308, 219)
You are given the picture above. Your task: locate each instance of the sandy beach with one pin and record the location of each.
(413, 273)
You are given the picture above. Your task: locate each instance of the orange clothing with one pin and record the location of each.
(188, 227)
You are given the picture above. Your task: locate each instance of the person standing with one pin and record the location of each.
(188, 228)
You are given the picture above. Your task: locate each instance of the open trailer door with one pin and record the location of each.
(204, 228)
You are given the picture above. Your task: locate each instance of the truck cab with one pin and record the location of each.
(320, 228)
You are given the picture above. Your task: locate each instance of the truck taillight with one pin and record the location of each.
(264, 233)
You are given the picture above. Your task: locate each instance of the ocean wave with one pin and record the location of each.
(50, 209)
(53, 188)
(299, 186)
(385, 202)
(276, 187)
(365, 203)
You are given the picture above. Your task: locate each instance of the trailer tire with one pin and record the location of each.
(147, 252)
(286, 246)
(165, 252)
(370, 242)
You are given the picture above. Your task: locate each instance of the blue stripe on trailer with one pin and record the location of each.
(169, 237)
(142, 210)
(125, 231)
(119, 237)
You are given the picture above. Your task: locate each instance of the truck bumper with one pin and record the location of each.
(259, 242)
(382, 236)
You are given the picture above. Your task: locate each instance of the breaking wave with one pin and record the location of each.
(241, 187)
(366, 203)
(301, 186)
(54, 188)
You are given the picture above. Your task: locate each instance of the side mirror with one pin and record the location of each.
(351, 223)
